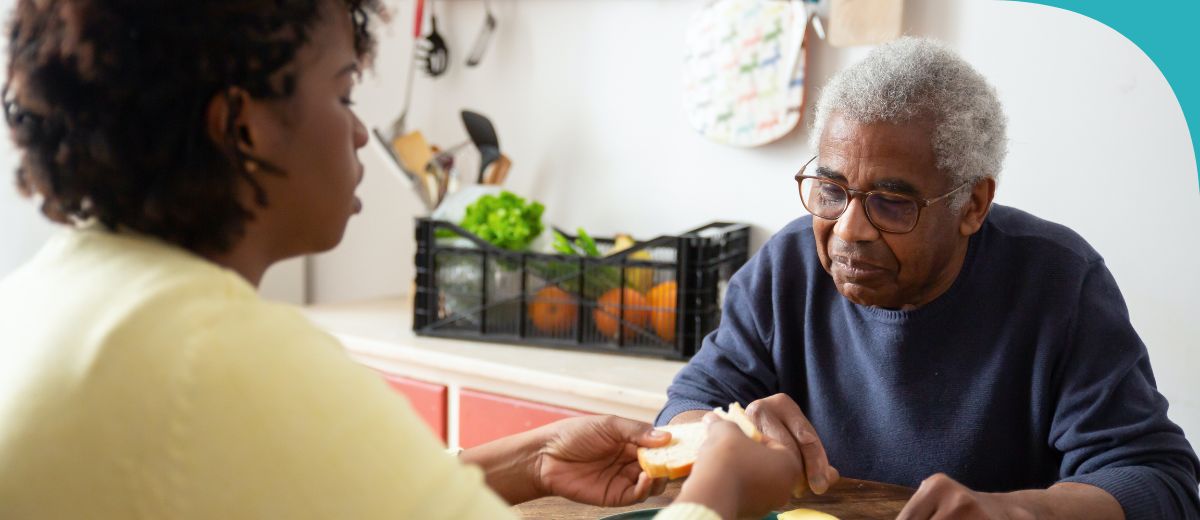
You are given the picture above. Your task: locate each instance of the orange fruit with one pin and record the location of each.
(662, 315)
(609, 306)
(553, 310)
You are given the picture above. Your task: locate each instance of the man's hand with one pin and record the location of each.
(941, 497)
(594, 460)
(780, 419)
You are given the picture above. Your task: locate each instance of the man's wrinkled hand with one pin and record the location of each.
(941, 497)
(780, 419)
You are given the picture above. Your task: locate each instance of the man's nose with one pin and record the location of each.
(853, 225)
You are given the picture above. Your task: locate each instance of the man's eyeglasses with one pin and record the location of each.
(887, 211)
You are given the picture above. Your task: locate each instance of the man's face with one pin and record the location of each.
(870, 267)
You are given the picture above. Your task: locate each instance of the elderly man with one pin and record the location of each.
(910, 331)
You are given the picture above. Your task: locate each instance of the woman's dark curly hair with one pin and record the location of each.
(108, 100)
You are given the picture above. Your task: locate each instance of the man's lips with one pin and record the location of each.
(856, 268)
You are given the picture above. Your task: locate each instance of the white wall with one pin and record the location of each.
(586, 99)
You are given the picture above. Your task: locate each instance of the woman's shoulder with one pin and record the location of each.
(147, 302)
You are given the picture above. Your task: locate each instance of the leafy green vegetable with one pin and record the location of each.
(588, 245)
(563, 245)
(584, 245)
(597, 277)
(506, 221)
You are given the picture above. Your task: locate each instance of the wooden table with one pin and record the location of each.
(849, 499)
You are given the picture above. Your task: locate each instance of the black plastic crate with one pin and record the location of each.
(467, 288)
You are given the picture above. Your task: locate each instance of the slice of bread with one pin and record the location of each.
(805, 514)
(737, 415)
(676, 458)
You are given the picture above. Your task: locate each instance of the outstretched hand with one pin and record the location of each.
(594, 460)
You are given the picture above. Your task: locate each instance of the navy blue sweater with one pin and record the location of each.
(1026, 372)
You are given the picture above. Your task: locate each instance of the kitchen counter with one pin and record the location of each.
(379, 335)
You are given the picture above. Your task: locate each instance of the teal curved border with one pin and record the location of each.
(1166, 30)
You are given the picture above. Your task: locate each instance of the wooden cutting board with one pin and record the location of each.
(864, 22)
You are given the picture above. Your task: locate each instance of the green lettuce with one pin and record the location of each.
(506, 220)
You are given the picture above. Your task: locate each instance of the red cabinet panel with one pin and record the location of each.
(483, 417)
(428, 399)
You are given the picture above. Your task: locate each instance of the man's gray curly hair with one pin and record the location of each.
(913, 78)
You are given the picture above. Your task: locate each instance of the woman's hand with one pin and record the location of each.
(735, 476)
(594, 460)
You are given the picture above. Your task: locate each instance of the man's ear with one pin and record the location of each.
(228, 116)
(976, 209)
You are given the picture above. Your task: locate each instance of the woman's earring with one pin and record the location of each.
(250, 165)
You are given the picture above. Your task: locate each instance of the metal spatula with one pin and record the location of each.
(485, 34)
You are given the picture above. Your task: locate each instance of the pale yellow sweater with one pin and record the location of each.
(140, 381)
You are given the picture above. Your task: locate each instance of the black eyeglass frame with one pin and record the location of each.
(851, 193)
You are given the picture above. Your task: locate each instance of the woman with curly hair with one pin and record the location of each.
(186, 146)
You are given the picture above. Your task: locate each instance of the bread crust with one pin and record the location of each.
(682, 466)
(662, 470)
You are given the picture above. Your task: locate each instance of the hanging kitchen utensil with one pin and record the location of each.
(864, 22)
(811, 7)
(414, 151)
(416, 182)
(444, 159)
(485, 35)
(483, 134)
(497, 171)
(386, 144)
(416, 156)
(398, 126)
(434, 52)
(744, 70)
